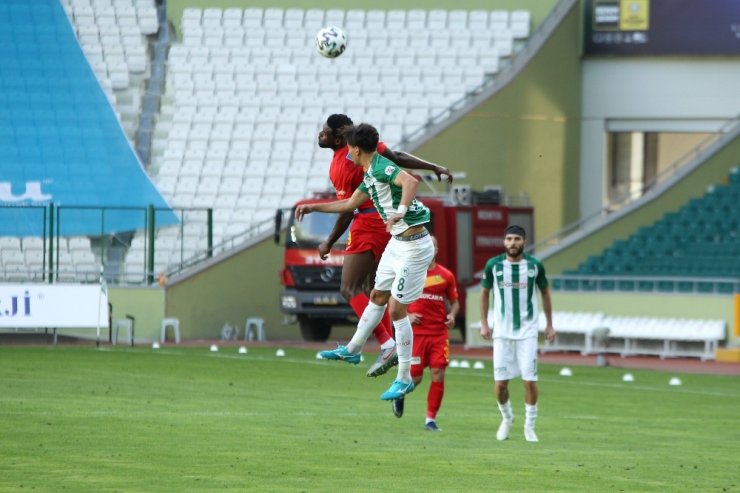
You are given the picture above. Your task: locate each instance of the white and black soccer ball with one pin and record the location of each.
(331, 42)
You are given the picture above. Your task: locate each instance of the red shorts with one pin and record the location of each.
(429, 351)
(365, 235)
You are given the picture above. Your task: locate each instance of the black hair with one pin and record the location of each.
(364, 136)
(515, 229)
(337, 121)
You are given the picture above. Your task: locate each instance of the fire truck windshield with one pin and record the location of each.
(313, 229)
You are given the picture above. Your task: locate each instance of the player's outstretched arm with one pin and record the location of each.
(340, 226)
(346, 205)
(409, 161)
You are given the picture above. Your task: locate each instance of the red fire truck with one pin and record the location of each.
(467, 235)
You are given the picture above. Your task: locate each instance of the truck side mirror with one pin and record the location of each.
(278, 226)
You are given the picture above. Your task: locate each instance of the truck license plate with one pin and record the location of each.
(325, 300)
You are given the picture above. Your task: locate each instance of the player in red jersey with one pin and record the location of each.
(431, 317)
(367, 235)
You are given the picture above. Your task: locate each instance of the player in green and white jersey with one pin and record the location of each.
(401, 273)
(514, 278)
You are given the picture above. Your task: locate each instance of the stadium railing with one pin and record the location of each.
(646, 284)
(46, 254)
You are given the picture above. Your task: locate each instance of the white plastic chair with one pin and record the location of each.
(254, 329)
(175, 324)
(126, 324)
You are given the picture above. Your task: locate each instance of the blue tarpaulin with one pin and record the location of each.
(60, 140)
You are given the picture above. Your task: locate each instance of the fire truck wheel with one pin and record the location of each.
(314, 330)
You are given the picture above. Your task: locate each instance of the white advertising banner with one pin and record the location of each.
(53, 305)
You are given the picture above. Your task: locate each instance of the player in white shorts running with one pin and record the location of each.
(513, 277)
(401, 273)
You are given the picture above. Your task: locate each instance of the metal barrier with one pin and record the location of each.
(644, 284)
(50, 222)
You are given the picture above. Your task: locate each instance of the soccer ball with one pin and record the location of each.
(331, 42)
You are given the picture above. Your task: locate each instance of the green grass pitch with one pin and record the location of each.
(184, 419)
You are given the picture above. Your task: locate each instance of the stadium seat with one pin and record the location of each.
(520, 20)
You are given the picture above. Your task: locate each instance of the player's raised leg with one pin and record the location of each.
(358, 272)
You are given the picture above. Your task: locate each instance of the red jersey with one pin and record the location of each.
(439, 288)
(346, 176)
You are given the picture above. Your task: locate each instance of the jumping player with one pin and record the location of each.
(367, 236)
(402, 269)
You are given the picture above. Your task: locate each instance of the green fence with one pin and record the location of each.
(44, 254)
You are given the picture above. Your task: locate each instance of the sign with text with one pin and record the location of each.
(662, 27)
(53, 305)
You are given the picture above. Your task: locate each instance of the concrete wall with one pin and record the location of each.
(667, 94)
(147, 305)
(241, 286)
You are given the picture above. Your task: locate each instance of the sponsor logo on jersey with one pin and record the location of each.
(389, 170)
(434, 280)
(431, 297)
(530, 273)
(520, 285)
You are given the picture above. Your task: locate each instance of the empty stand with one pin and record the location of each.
(247, 93)
(699, 240)
(113, 36)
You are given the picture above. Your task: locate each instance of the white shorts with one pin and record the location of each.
(515, 357)
(403, 268)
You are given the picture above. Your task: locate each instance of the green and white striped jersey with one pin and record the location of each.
(515, 302)
(378, 184)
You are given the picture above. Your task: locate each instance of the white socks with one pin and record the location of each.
(530, 415)
(506, 410)
(404, 347)
(388, 344)
(368, 321)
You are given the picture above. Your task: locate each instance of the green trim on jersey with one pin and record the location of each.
(386, 195)
(515, 301)
(515, 311)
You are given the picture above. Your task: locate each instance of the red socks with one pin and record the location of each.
(383, 331)
(434, 398)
